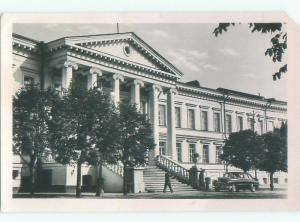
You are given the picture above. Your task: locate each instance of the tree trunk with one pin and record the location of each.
(99, 183)
(125, 181)
(78, 184)
(32, 181)
(271, 181)
(255, 173)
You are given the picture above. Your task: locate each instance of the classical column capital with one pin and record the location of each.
(118, 76)
(137, 82)
(172, 91)
(156, 88)
(96, 71)
(70, 64)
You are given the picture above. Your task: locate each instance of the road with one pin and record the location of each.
(260, 194)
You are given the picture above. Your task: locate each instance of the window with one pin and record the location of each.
(162, 148)
(177, 117)
(217, 122)
(218, 153)
(265, 180)
(205, 154)
(15, 174)
(285, 180)
(191, 119)
(86, 180)
(143, 107)
(192, 151)
(162, 115)
(228, 123)
(179, 152)
(240, 123)
(275, 180)
(204, 122)
(28, 80)
(251, 123)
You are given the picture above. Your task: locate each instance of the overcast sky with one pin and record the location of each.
(234, 60)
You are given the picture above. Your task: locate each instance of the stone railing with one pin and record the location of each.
(173, 168)
(116, 168)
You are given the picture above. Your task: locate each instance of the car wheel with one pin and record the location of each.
(234, 188)
(252, 188)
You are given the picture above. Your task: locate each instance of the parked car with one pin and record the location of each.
(236, 181)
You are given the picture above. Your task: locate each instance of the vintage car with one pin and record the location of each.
(236, 181)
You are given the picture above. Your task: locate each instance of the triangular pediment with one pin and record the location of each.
(126, 46)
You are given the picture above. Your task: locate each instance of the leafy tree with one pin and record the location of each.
(275, 152)
(135, 138)
(78, 128)
(31, 115)
(278, 41)
(243, 150)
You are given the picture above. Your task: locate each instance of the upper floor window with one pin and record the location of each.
(228, 123)
(179, 152)
(240, 126)
(192, 151)
(177, 117)
(191, 119)
(205, 154)
(162, 148)
(251, 123)
(260, 127)
(204, 120)
(217, 122)
(28, 80)
(162, 115)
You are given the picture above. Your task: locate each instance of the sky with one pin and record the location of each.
(234, 60)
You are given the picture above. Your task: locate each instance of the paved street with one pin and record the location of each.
(260, 194)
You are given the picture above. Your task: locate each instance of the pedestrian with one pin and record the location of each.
(168, 182)
(201, 180)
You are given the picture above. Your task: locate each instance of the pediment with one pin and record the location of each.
(126, 46)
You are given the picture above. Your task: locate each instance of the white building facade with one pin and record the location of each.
(187, 118)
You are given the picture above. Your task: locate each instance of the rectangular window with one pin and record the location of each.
(15, 174)
(204, 120)
(179, 152)
(265, 180)
(251, 123)
(191, 119)
(28, 80)
(162, 148)
(218, 153)
(275, 180)
(162, 115)
(228, 123)
(192, 151)
(240, 123)
(205, 154)
(177, 117)
(143, 107)
(217, 122)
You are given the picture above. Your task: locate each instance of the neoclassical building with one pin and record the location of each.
(187, 118)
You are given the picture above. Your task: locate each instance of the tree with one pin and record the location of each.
(135, 138)
(243, 150)
(275, 152)
(31, 115)
(278, 41)
(78, 128)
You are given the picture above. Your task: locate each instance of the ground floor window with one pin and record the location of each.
(162, 148)
(265, 180)
(218, 153)
(179, 152)
(275, 180)
(192, 151)
(205, 154)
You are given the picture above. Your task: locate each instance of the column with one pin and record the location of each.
(93, 76)
(135, 92)
(197, 118)
(67, 73)
(199, 151)
(115, 94)
(171, 133)
(185, 152)
(154, 94)
(233, 122)
(210, 119)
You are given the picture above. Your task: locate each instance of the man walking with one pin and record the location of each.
(168, 182)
